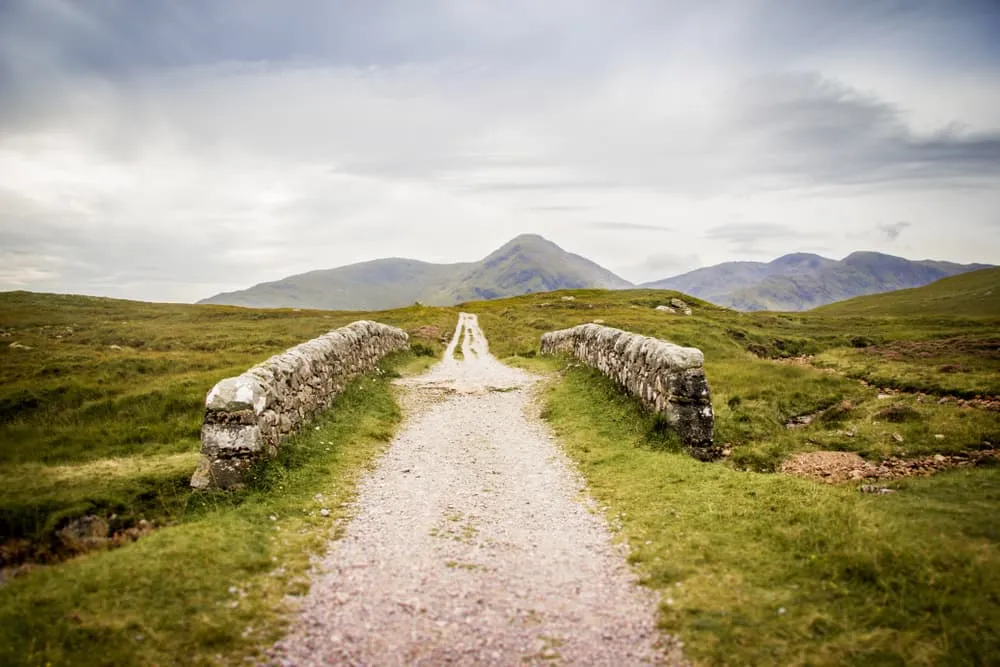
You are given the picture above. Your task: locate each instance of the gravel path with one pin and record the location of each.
(474, 543)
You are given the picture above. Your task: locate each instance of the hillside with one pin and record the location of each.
(101, 402)
(526, 264)
(976, 293)
(801, 281)
(375, 285)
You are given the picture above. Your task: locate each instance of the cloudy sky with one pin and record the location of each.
(172, 149)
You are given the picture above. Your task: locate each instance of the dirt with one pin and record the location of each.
(80, 536)
(474, 542)
(838, 467)
(988, 348)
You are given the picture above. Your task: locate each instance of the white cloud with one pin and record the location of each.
(203, 169)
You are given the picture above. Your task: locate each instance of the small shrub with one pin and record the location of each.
(897, 414)
(836, 413)
(422, 350)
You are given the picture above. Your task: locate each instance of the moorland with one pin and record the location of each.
(101, 402)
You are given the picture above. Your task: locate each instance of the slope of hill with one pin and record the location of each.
(525, 264)
(101, 402)
(375, 285)
(976, 293)
(801, 281)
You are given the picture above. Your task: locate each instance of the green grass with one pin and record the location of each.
(900, 579)
(974, 294)
(754, 397)
(86, 428)
(761, 569)
(166, 599)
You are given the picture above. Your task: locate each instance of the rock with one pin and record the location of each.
(114, 347)
(665, 309)
(938, 458)
(678, 304)
(939, 436)
(569, 298)
(324, 512)
(881, 490)
(897, 437)
(18, 346)
(248, 416)
(598, 321)
(687, 311)
(237, 394)
(666, 378)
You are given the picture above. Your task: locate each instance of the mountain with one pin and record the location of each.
(801, 281)
(972, 294)
(525, 264)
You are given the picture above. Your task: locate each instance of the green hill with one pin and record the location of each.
(972, 294)
(101, 402)
(525, 264)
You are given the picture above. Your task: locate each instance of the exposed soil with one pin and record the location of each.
(81, 535)
(988, 348)
(837, 467)
(474, 543)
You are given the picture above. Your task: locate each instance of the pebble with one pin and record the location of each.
(431, 571)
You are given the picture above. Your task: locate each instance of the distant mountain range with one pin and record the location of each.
(801, 281)
(527, 263)
(530, 263)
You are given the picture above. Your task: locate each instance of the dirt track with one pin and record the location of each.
(474, 543)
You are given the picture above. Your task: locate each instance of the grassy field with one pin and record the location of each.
(766, 569)
(101, 401)
(100, 413)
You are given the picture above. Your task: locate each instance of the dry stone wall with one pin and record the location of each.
(667, 378)
(248, 416)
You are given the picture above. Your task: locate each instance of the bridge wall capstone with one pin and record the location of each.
(248, 416)
(667, 378)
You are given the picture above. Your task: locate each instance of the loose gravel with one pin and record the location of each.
(474, 543)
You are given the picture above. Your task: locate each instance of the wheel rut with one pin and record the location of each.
(474, 543)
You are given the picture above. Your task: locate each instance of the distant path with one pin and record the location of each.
(472, 543)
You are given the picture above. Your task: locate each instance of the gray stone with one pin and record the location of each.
(248, 416)
(666, 378)
(243, 392)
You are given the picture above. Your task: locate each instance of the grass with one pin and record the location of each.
(973, 294)
(213, 583)
(754, 397)
(762, 569)
(87, 428)
(101, 415)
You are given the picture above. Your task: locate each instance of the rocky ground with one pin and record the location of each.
(836, 467)
(474, 542)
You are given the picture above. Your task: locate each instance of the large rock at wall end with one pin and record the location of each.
(221, 473)
(231, 440)
(235, 394)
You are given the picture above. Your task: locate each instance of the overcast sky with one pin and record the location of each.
(171, 149)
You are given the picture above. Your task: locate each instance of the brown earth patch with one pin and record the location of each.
(983, 348)
(80, 536)
(427, 332)
(837, 467)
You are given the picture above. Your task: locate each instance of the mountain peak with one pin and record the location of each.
(527, 263)
(799, 281)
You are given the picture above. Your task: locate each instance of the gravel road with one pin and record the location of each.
(474, 543)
